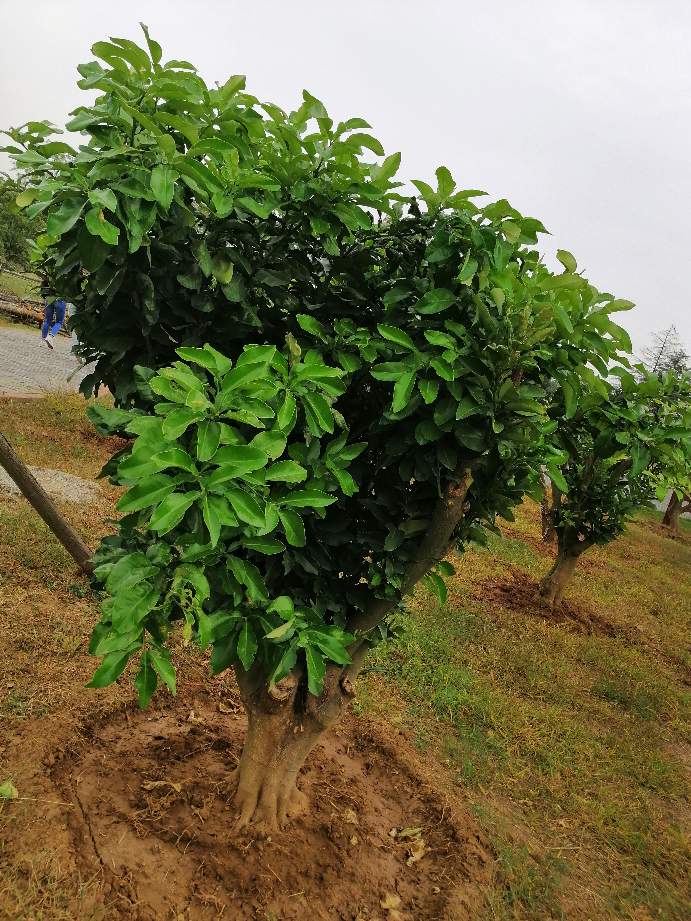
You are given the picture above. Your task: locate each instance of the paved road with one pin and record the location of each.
(28, 366)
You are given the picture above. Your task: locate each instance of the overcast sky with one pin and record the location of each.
(577, 111)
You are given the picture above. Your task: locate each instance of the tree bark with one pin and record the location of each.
(43, 504)
(284, 724)
(569, 549)
(553, 585)
(673, 513)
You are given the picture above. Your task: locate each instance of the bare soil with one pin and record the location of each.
(146, 816)
(520, 593)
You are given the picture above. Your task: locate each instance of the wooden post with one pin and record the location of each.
(41, 501)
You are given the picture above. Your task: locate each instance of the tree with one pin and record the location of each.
(618, 443)
(666, 353)
(16, 230)
(327, 384)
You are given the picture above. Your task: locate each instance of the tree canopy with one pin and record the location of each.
(328, 380)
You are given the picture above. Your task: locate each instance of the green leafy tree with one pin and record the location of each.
(328, 385)
(620, 445)
(16, 230)
(666, 353)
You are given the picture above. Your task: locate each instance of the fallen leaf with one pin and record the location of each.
(393, 833)
(390, 901)
(416, 852)
(355, 840)
(227, 708)
(8, 790)
(409, 832)
(153, 784)
(350, 817)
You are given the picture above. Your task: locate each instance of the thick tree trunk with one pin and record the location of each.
(553, 585)
(43, 504)
(673, 513)
(284, 723)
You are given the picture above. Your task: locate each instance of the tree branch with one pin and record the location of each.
(43, 504)
(434, 546)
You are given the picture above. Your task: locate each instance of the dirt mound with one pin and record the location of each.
(520, 593)
(154, 818)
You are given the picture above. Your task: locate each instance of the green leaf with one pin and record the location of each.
(308, 498)
(281, 633)
(208, 439)
(174, 457)
(163, 184)
(468, 270)
(318, 412)
(222, 268)
(567, 260)
(403, 391)
(111, 668)
(366, 140)
(393, 334)
(129, 570)
(563, 321)
(436, 300)
(177, 421)
(246, 507)
(332, 643)
(148, 491)
(311, 325)
(97, 225)
(171, 511)
(8, 790)
(445, 183)
(272, 443)
(557, 477)
(65, 217)
(294, 527)
(241, 458)
(429, 390)
(316, 669)
(247, 645)
(160, 659)
(146, 680)
(267, 545)
(283, 606)
(248, 575)
(287, 471)
(104, 198)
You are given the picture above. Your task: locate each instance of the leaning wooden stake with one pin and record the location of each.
(41, 501)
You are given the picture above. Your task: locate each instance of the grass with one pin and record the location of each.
(571, 747)
(20, 285)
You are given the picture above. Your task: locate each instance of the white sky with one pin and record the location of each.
(577, 111)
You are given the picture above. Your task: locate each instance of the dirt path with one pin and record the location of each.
(28, 366)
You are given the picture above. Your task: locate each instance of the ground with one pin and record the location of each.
(28, 366)
(503, 761)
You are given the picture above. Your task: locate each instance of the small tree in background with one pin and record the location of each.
(618, 443)
(664, 354)
(16, 230)
(330, 385)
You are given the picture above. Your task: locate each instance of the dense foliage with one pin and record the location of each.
(621, 442)
(16, 230)
(349, 354)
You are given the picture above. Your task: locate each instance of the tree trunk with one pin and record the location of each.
(43, 504)
(284, 724)
(553, 585)
(673, 513)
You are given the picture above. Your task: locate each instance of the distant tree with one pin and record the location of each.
(16, 229)
(619, 444)
(666, 353)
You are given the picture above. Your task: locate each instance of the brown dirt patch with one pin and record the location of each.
(520, 593)
(153, 816)
(663, 531)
